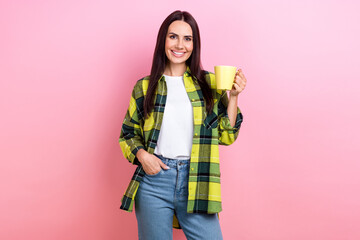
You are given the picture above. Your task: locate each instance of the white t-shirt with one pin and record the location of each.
(177, 128)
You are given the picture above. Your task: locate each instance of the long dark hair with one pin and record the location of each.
(193, 62)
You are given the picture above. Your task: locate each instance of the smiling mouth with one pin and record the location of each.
(177, 54)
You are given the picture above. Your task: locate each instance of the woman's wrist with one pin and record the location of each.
(139, 154)
(233, 98)
(232, 109)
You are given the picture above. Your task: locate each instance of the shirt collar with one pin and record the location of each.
(187, 73)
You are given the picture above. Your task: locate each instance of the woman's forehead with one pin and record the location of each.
(180, 28)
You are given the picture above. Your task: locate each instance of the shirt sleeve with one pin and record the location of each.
(131, 138)
(227, 133)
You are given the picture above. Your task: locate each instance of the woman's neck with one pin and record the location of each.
(175, 69)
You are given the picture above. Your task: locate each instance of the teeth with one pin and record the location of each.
(178, 53)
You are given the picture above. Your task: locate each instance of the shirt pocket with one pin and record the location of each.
(211, 120)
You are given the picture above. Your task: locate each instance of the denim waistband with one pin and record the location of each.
(174, 162)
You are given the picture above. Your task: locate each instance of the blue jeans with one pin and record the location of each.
(160, 196)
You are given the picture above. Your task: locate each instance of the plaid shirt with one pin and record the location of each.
(210, 130)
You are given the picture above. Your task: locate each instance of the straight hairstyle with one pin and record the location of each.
(193, 62)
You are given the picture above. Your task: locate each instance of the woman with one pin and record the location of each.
(175, 122)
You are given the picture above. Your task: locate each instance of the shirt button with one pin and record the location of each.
(195, 134)
(192, 169)
(192, 100)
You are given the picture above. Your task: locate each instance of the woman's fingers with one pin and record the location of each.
(239, 83)
(237, 87)
(164, 166)
(152, 165)
(240, 79)
(160, 163)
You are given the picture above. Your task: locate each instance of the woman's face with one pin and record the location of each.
(179, 42)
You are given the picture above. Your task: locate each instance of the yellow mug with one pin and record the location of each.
(224, 76)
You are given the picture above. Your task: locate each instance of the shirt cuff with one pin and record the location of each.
(226, 125)
(134, 159)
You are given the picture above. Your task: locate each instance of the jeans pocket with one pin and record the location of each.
(156, 174)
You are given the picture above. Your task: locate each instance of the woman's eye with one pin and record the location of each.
(188, 39)
(172, 36)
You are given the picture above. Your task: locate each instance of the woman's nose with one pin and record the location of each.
(179, 44)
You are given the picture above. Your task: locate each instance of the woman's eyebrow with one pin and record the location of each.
(178, 35)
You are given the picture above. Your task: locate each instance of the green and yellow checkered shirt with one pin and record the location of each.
(210, 130)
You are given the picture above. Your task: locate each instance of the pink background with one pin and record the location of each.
(67, 71)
